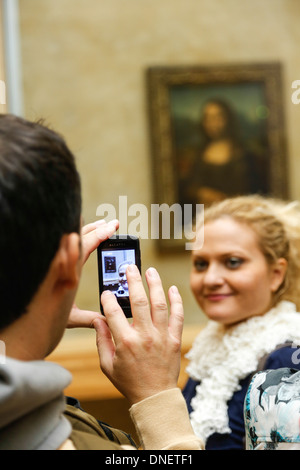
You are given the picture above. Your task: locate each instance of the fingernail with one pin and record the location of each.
(174, 290)
(153, 273)
(106, 292)
(113, 223)
(132, 268)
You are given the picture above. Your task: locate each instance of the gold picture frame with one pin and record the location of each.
(182, 100)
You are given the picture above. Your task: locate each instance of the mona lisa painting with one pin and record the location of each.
(216, 131)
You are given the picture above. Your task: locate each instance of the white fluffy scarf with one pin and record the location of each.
(222, 356)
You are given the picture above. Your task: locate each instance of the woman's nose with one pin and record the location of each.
(213, 276)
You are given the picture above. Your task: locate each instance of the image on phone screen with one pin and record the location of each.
(114, 265)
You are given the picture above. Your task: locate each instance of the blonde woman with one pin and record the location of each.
(245, 278)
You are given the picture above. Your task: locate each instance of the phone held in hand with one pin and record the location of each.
(114, 256)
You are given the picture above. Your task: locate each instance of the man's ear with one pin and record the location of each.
(278, 273)
(66, 265)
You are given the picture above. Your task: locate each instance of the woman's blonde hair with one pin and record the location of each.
(277, 226)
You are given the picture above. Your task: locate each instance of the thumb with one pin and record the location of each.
(105, 345)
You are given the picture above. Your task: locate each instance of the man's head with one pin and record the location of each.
(40, 202)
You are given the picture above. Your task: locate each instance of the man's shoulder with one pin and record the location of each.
(90, 434)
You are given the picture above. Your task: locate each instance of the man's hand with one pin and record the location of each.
(91, 235)
(95, 233)
(141, 358)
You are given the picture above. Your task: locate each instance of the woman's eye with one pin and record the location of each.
(200, 264)
(233, 262)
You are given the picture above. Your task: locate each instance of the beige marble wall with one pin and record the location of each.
(83, 65)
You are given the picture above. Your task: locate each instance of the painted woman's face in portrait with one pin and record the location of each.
(230, 278)
(214, 121)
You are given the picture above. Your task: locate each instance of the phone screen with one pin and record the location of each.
(114, 256)
(114, 265)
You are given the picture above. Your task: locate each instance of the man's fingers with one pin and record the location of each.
(159, 307)
(138, 299)
(176, 313)
(116, 320)
(95, 233)
(82, 318)
(105, 345)
(89, 227)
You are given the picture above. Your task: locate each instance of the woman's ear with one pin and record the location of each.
(278, 273)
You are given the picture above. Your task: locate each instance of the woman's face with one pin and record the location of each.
(214, 121)
(230, 278)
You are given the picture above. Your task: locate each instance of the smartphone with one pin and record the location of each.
(114, 255)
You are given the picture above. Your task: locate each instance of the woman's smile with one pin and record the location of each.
(217, 297)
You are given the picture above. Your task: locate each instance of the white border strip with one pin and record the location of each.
(12, 56)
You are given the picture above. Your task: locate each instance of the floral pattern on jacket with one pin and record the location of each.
(272, 410)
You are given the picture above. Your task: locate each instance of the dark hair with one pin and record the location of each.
(40, 201)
